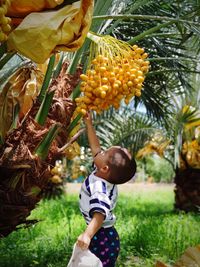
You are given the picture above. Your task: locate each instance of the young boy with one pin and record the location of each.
(98, 197)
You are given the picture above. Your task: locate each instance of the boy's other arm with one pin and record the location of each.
(92, 137)
(84, 239)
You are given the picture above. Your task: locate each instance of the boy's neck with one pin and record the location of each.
(102, 175)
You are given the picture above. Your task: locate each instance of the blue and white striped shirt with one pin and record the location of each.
(98, 195)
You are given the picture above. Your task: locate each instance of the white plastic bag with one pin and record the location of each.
(83, 258)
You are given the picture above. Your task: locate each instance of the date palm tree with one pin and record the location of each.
(186, 124)
(35, 118)
(178, 47)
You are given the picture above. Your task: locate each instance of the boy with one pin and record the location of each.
(98, 197)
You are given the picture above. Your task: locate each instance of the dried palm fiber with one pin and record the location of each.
(42, 33)
(23, 175)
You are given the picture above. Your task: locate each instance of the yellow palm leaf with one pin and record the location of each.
(43, 67)
(21, 8)
(153, 147)
(193, 117)
(22, 88)
(191, 151)
(72, 151)
(30, 91)
(190, 125)
(42, 33)
(146, 150)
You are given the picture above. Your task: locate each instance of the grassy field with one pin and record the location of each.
(149, 229)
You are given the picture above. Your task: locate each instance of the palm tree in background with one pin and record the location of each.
(167, 32)
(177, 75)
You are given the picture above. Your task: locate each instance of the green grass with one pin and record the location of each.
(149, 229)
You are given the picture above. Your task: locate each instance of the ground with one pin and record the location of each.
(128, 188)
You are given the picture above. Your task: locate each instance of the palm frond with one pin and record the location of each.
(130, 132)
(10, 67)
(167, 76)
(4, 60)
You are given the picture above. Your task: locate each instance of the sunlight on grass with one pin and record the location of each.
(149, 229)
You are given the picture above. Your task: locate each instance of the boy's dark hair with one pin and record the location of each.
(121, 166)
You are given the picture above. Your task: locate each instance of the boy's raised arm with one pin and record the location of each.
(91, 133)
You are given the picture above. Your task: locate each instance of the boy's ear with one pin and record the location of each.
(105, 169)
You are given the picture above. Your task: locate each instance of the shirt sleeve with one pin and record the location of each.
(99, 202)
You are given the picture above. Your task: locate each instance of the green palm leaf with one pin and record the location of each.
(125, 129)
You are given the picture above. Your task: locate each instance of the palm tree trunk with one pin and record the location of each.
(24, 175)
(187, 189)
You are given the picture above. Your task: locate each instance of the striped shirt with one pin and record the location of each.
(98, 195)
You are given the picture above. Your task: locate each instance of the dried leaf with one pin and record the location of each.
(30, 91)
(21, 8)
(6, 110)
(22, 88)
(157, 145)
(191, 258)
(43, 33)
(72, 151)
(191, 152)
(160, 264)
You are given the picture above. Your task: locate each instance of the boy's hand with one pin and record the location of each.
(88, 118)
(83, 241)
